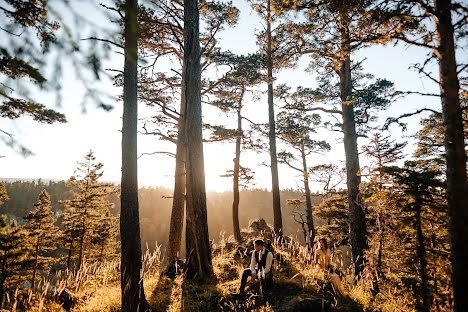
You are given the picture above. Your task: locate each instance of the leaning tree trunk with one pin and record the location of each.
(309, 218)
(133, 297)
(457, 186)
(178, 201)
(357, 219)
(277, 221)
(197, 239)
(235, 203)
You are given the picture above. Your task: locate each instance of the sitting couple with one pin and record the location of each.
(260, 268)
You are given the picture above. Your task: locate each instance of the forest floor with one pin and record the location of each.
(298, 286)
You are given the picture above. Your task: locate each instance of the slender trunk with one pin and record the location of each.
(357, 220)
(310, 220)
(178, 202)
(33, 279)
(197, 239)
(70, 252)
(133, 297)
(277, 220)
(235, 203)
(2, 281)
(425, 305)
(457, 185)
(80, 254)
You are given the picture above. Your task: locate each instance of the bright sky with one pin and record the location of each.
(58, 147)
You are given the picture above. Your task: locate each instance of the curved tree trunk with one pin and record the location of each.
(133, 296)
(357, 219)
(309, 217)
(178, 201)
(197, 239)
(277, 220)
(457, 185)
(235, 203)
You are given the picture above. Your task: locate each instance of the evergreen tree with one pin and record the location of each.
(3, 193)
(197, 237)
(295, 127)
(42, 232)
(439, 24)
(131, 281)
(230, 97)
(89, 204)
(104, 237)
(13, 253)
(162, 38)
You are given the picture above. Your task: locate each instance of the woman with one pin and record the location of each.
(323, 258)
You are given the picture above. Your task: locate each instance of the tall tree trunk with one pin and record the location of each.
(70, 252)
(277, 220)
(80, 254)
(133, 297)
(425, 305)
(197, 239)
(33, 279)
(178, 201)
(235, 203)
(309, 218)
(457, 185)
(357, 220)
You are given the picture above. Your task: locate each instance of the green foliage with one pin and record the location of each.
(42, 233)
(14, 248)
(87, 218)
(3, 193)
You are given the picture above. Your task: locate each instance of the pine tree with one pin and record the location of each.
(295, 127)
(89, 204)
(230, 97)
(197, 236)
(104, 237)
(42, 232)
(13, 253)
(3, 193)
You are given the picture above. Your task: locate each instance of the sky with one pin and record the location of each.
(58, 147)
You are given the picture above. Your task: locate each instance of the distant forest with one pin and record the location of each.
(156, 205)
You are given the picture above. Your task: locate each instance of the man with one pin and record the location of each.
(260, 268)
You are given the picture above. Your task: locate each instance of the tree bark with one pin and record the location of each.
(133, 297)
(277, 220)
(457, 185)
(235, 203)
(425, 305)
(178, 201)
(309, 217)
(197, 238)
(33, 278)
(70, 252)
(357, 220)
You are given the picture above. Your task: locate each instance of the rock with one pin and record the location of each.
(260, 226)
(305, 305)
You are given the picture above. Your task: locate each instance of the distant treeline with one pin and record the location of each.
(156, 204)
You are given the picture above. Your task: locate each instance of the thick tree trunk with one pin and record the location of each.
(197, 239)
(309, 217)
(277, 220)
(357, 220)
(425, 305)
(178, 201)
(457, 186)
(235, 203)
(133, 297)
